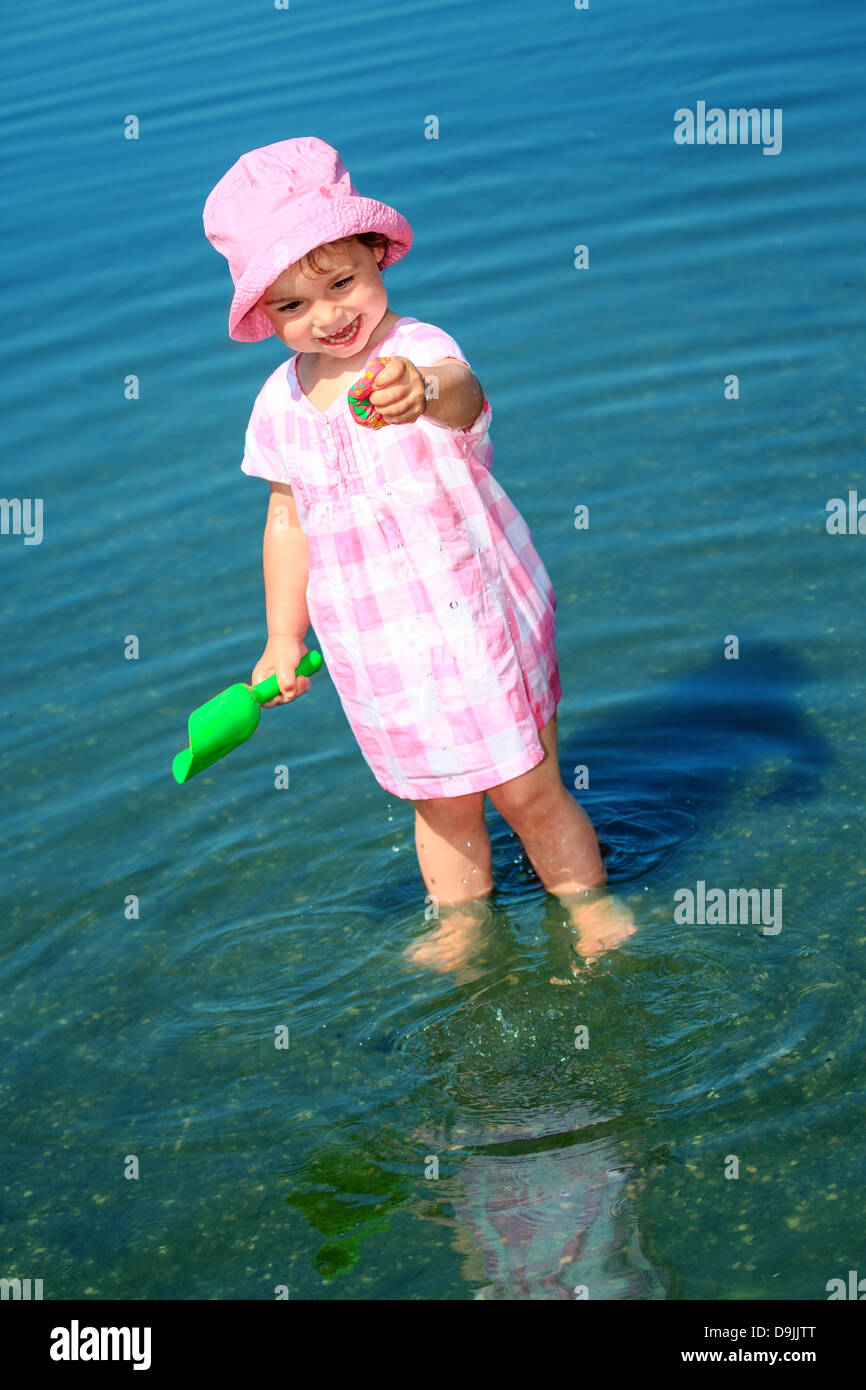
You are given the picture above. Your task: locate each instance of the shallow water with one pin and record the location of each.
(154, 1035)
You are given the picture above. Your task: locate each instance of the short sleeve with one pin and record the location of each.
(262, 458)
(430, 344)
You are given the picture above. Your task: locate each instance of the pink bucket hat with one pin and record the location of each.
(276, 204)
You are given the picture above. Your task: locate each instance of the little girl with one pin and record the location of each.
(433, 611)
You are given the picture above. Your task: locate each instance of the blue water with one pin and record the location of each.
(149, 1031)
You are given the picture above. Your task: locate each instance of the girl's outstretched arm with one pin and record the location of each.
(453, 394)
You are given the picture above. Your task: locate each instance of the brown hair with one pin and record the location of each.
(312, 261)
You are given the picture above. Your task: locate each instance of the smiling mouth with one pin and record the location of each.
(346, 335)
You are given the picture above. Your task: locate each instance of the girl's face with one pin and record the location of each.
(306, 310)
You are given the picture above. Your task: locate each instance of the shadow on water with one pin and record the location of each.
(531, 1135)
(668, 767)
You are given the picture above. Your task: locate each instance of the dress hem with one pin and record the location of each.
(479, 781)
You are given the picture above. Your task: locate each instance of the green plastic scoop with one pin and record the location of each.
(228, 720)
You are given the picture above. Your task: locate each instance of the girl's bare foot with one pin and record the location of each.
(601, 921)
(452, 943)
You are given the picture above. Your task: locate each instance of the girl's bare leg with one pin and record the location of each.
(563, 849)
(454, 857)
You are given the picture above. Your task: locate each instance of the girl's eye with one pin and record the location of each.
(290, 308)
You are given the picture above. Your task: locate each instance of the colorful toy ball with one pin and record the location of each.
(359, 393)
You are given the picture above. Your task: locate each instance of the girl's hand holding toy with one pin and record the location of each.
(281, 657)
(391, 391)
(359, 396)
(228, 720)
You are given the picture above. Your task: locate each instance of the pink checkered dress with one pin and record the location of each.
(430, 604)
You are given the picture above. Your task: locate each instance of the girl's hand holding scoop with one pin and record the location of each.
(280, 657)
(227, 720)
